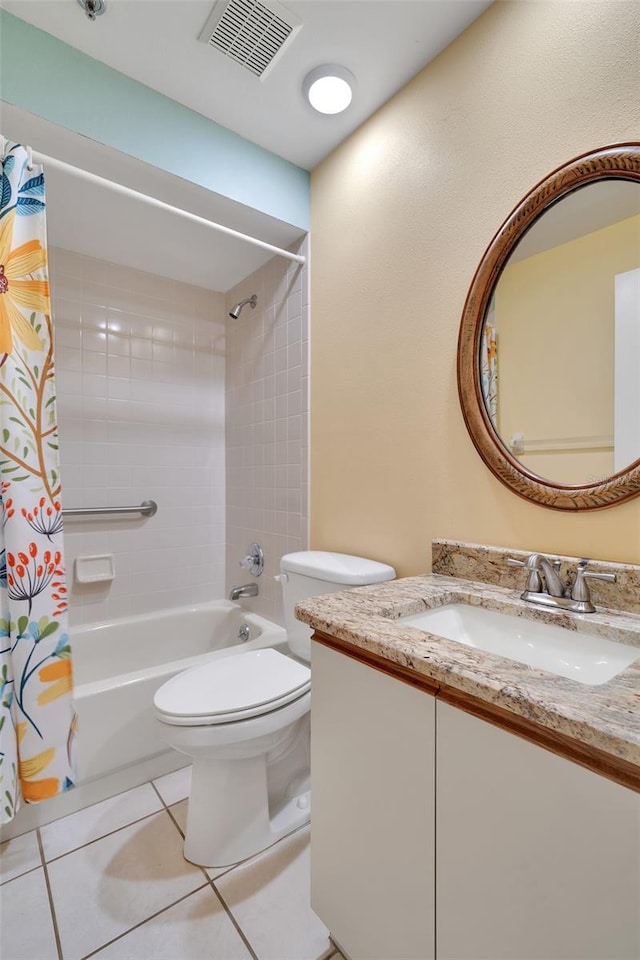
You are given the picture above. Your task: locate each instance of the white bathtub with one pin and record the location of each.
(119, 665)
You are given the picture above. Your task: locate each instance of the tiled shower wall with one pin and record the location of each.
(267, 403)
(140, 385)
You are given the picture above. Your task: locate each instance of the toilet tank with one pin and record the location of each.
(310, 573)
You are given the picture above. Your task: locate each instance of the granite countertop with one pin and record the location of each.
(606, 717)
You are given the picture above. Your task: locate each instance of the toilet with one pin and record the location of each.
(244, 721)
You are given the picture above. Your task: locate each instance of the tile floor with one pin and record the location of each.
(110, 882)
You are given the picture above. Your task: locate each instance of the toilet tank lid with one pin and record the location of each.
(336, 567)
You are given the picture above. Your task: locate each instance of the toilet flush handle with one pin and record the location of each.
(282, 577)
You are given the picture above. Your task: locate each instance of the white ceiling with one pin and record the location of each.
(383, 42)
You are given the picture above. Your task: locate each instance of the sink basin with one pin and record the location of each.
(567, 653)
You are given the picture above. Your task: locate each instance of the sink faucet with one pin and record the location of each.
(545, 587)
(541, 569)
(243, 592)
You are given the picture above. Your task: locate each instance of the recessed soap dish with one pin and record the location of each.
(95, 569)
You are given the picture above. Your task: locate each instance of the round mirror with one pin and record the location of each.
(549, 348)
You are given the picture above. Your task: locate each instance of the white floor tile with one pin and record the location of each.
(179, 811)
(102, 890)
(174, 786)
(192, 929)
(27, 928)
(96, 821)
(269, 898)
(19, 855)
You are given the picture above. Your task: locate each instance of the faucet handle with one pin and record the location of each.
(609, 577)
(254, 561)
(534, 581)
(580, 590)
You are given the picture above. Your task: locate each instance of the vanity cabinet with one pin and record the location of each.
(437, 834)
(372, 788)
(536, 857)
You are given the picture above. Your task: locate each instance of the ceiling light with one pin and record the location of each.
(329, 88)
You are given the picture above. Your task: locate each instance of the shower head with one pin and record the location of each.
(235, 313)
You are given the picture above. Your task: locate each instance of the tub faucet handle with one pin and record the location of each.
(254, 560)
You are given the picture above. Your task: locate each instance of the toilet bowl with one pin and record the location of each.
(244, 722)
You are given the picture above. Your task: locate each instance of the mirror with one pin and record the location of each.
(549, 346)
(560, 345)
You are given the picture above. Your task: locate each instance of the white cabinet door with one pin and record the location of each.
(372, 822)
(536, 857)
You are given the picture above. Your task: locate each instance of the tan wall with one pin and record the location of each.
(401, 215)
(555, 319)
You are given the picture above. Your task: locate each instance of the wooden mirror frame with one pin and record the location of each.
(620, 161)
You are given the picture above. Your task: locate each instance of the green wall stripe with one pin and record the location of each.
(53, 80)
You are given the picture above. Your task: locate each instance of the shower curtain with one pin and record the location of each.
(37, 718)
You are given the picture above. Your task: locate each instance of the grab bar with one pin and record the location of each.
(146, 509)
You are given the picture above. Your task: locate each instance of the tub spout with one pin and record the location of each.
(246, 590)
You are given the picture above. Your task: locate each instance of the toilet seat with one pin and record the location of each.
(238, 687)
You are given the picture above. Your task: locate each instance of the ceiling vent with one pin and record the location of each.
(252, 33)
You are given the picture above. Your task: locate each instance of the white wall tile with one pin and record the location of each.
(143, 383)
(266, 376)
(138, 396)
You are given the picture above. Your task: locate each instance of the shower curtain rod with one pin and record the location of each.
(128, 192)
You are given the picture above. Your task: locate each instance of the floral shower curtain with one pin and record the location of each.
(37, 718)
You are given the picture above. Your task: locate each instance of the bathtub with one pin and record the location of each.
(118, 666)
